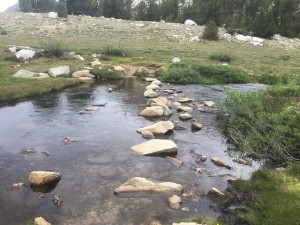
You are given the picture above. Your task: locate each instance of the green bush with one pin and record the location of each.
(264, 25)
(211, 31)
(269, 78)
(53, 48)
(198, 74)
(107, 74)
(3, 31)
(113, 51)
(266, 124)
(221, 57)
(61, 9)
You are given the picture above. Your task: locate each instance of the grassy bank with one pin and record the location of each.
(271, 197)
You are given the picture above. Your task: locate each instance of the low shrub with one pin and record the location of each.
(107, 74)
(53, 48)
(221, 57)
(199, 74)
(269, 78)
(211, 31)
(113, 51)
(3, 31)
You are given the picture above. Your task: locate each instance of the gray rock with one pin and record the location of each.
(174, 161)
(25, 54)
(59, 71)
(190, 22)
(196, 126)
(40, 178)
(52, 15)
(158, 128)
(150, 94)
(139, 184)
(95, 63)
(156, 147)
(25, 74)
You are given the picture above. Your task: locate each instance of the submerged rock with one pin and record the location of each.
(185, 100)
(147, 134)
(57, 200)
(175, 202)
(219, 162)
(139, 184)
(158, 128)
(156, 148)
(175, 161)
(40, 221)
(40, 178)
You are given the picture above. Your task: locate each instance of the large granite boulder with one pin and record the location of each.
(139, 184)
(82, 73)
(24, 74)
(25, 54)
(40, 178)
(156, 147)
(156, 111)
(158, 128)
(59, 71)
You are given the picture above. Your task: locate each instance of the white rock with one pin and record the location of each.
(156, 147)
(40, 221)
(175, 60)
(119, 68)
(195, 39)
(82, 73)
(25, 54)
(95, 63)
(153, 87)
(185, 100)
(52, 15)
(159, 101)
(185, 116)
(150, 94)
(190, 22)
(175, 202)
(156, 82)
(216, 191)
(147, 134)
(12, 49)
(219, 162)
(139, 184)
(24, 74)
(158, 128)
(210, 103)
(59, 71)
(79, 57)
(242, 38)
(156, 111)
(184, 109)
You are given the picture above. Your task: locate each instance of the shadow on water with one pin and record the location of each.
(100, 159)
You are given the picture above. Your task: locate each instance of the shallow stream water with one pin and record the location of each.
(100, 160)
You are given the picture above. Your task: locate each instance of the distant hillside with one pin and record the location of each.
(13, 8)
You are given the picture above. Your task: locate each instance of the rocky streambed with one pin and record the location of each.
(94, 152)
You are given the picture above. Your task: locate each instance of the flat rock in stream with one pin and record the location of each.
(185, 100)
(159, 128)
(196, 126)
(185, 116)
(156, 147)
(219, 162)
(175, 202)
(159, 101)
(153, 87)
(40, 178)
(139, 184)
(156, 111)
(210, 104)
(156, 82)
(150, 94)
(184, 109)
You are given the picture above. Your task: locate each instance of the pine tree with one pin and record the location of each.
(25, 5)
(61, 9)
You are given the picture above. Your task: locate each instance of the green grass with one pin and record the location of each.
(201, 74)
(204, 220)
(107, 74)
(221, 57)
(275, 194)
(265, 125)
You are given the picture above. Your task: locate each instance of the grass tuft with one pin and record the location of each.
(221, 57)
(114, 51)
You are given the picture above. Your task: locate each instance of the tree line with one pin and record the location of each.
(261, 18)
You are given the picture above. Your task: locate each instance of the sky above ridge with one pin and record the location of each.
(4, 4)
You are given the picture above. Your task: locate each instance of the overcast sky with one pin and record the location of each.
(4, 4)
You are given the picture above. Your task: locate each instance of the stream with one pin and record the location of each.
(101, 160)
